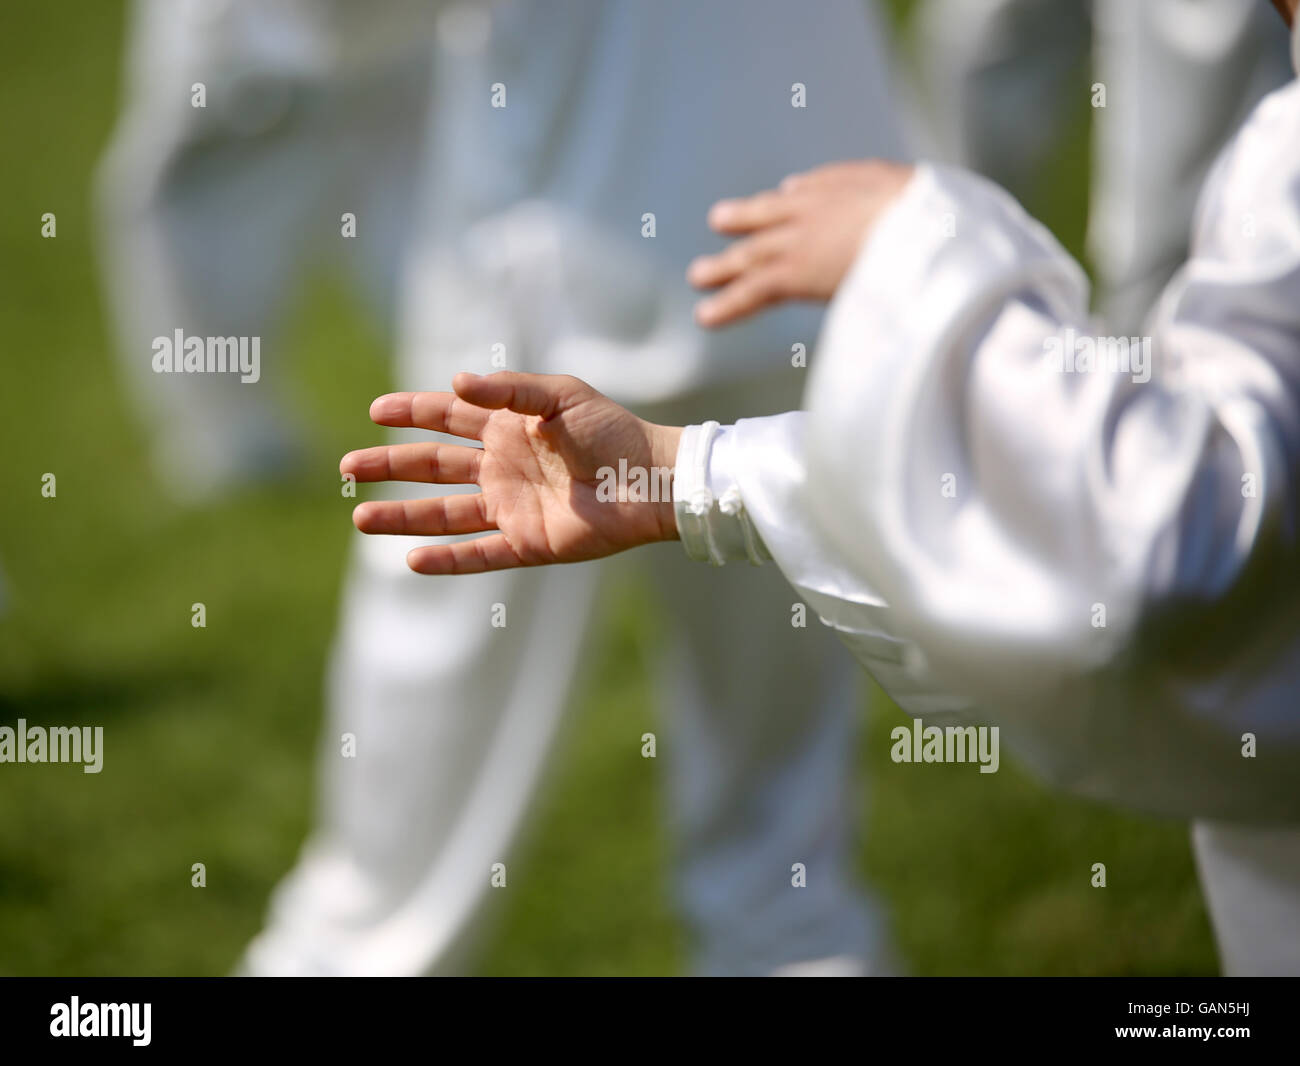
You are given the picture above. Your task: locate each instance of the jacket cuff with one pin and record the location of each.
(711, 517)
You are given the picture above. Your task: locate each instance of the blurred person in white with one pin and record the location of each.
(1099, 558)
(1179, 77)
(248, 130)
(551, 231)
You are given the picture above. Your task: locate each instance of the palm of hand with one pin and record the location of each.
(550, 444)
(539, 482)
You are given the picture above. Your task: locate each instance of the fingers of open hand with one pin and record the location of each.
(750, 213)
(526, 394)
(710, 271)
(464, 557)
(749, 293)
(433, 464)
(434, 517)
(439, 411)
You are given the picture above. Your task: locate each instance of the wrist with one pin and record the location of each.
(664, 441)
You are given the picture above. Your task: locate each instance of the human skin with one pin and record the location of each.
(545, 439)
(796, 242)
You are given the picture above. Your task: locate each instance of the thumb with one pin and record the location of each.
(526, 394)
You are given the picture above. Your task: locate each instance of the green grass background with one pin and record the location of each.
(211, 732)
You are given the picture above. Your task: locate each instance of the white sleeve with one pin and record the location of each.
(1091, 544)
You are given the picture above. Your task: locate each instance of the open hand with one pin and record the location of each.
(798, 241)
(549, 443)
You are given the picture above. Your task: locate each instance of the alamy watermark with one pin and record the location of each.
(179, 354)
(634, 484)
(75, 1018)
(1086, 353)
(932, 743)
(56, 744)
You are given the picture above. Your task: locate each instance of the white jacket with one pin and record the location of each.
(1105, 567)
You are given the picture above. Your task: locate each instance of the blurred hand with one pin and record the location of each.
(545, 440)
(798, 240)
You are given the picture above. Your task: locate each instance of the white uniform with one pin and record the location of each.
(1101, 565)
(211, 214)
(555, 233)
